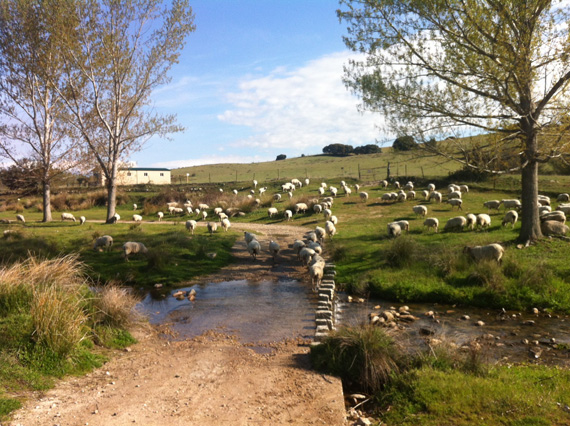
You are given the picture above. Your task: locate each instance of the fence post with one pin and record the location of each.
(423, 176)
(210, 177)
(359, 175)
(406, 169)
(387, 172)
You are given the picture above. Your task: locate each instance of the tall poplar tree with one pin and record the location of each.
(438, 67)
(119, 52)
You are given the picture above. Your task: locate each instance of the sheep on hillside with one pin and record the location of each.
(492, 205)
(363, 196)
(137, 218)
(288, 214)
(455, 223)
(273, 249)
(301, 208)
(330, 229)
(82, 220)
(420, 210)
(133, 247)
(254, 248)
(490, 252)
(105, 242)
(191, 225)
(135, 207)
(511, 204)
(272, 211)
(394, 230)
(226, 224)
(160, 215)
(553, 227)
(432, 222)
(511, 218)
(436, 197)
(471, 220)
(320, 232)
(483, 221)
(20, 218)
(563, 198)
(455, 202)
(67, 216)
(557, 215)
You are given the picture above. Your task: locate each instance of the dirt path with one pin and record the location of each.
(209, 380)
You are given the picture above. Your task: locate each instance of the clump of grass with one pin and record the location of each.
(536, 276)
(487, 274)
(402, 251)
(157, 259)
(135, 227)
(114, 306)
(366, 358)
(449, 261)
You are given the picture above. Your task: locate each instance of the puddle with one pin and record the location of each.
(256, 312)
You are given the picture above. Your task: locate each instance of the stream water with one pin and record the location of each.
(262, 312)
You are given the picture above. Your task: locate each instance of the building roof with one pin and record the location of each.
(146, 169)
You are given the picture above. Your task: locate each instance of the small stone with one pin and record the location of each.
(158, 285)
(426, 331)
(404, 308)
(349, 299)
(465, 317)
(479, 323)
(528, 322)
(552, 340)
(535, 311)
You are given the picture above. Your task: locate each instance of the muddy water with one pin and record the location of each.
(256, 312)
(508, 336)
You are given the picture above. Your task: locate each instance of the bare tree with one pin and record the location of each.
(33, 125)
(119, 53)
(438, 68)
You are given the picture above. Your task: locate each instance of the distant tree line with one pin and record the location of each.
(341, 150)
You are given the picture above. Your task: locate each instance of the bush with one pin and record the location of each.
(115, 306)
(367, 149)
(281, 157)
(404, 143)
(365, 358)
(402, 251)
(338, 149)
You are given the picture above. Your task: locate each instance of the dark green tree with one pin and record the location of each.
(338, 149)
(404, 143)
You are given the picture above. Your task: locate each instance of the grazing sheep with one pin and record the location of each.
(312, 236)
(394, 230)
(333, 191)
(556, 215)
(105, 242)
(408, 186)
(483, 221)
(563, 198)
(321, 190)
(188, 203)
(133, 247)
(363, 196)
(271, 211)
(290, 194)
(404, 225)
(296, 182)
(436, 196)
(546, 209)
(249, 237)
(425, 195)
(396, 184)
(334, 219)
(411, 195)
(563, 208)
(203, 206)
(137, 218)
(297, 246)
(171, 209)
(160, 215)
(20, 218)
(301, 207)
(323, 185)
(386, 197)
(384, 184)
(177, 210)
(327, 213)
(204, 214)
(82, 220)
(67, 216)
(510, 217)
(471, 220)
(288, 214)
(277, 197)
(455, 223)
(254, 248)
(320, 233)
(135, 207)
(330, 229)
(492, 205)
(254, 183)
(197, 211)
(235, 191)
(273, 249)
(226, 224)
(317, 208)
(172, 204)
(511, 204)
(431, 187)
(329, 200)
(553, 227)
(432, 222)
(262, 190)
(464, 188)
(455, 202)
(543, 200)
(452, 188)
(347, 190)
(307, 181)
(218, 210)
(420, 210)
(191, 225)
(402, 197)
(489, 252)
(454, 194)
(116, 217)
(305, 254)
(316, 272)
(212, 227)
(357, 187)
(315, 246)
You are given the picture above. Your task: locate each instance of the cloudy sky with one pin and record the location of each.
(256, 79)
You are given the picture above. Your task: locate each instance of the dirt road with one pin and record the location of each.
(209, 380)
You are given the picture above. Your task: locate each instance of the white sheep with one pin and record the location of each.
(226, 224)
(288, 214)
(490, 252)
(420, 210)
(191, 225)
(563, 208)
(212, 227)
(254, 183)
(316, 272)
(394, 230)
(411, 195)
(492, 205)
(297, 246)
(307, 181)
(510, 217)
(317, 208)
(327, 213)
(408, 186)
(452, 187)
(290, 194)
(455, 202)
(262, 190)
(386, 197)
(105, 242)
(320, 233)
(311, 236)
(218, 210)
(272, 211)
(235, 191)
(454, 194)
(334, 219)
(432, 222)
(133, 247)
(254, 248)
(177, 210)
(135, 207)
(203, 206)
(82, 220)
(553, 227)
(396, 184)
(277, 197)
(222, 216)
(464, 188)
(300, 208)
(436, 196)
(384, 183)
(563, 198)
(557, 215)
(431, 187)
(357, 187)
(404, 225)
(543, 200)
(20, 218)
(402, 197)
(273, 249)
(545, 209)
(305, 254)
(363, 196)
(455, 223)
(471, 220)
(315, 246)
(116, 217)
(483, 221)
(511, 204)
(160, 215)
(137, 218)
(321, 190)
(296, 182)
(67, 216)
(333, 191)
(330, 229)
(425, 195)
(323, 185)
(249, 237)
(204, 214)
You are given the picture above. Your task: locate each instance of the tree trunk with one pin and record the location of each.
(112, 192)
(530, 221)
(47, 203)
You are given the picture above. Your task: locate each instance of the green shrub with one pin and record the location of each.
(402, 251)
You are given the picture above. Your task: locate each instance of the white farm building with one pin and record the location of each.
(141, 175)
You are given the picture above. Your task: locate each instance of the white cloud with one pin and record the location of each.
(212, 159)
(304, 107)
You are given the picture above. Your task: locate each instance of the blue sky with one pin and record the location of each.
(256, 79)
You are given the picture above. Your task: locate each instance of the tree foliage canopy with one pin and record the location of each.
(338, 149)
(367, 149)
(404, 143)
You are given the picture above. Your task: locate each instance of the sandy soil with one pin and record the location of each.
(209, 380)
